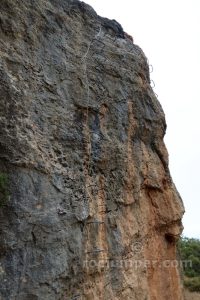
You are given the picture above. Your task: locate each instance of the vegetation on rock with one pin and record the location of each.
(4, 194)
(190, 252)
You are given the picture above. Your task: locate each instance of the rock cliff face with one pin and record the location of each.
(92, 211)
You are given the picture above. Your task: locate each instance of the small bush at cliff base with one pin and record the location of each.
(193, 284)
(4, 194)
(190, 251)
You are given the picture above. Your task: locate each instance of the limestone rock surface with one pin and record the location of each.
(92, 211)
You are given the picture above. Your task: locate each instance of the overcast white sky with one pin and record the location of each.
(169, 34)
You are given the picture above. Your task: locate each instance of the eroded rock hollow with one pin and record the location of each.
(88, 206)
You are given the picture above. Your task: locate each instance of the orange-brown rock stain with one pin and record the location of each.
(163, 230)
(95, 246)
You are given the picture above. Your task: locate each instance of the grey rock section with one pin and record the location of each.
(77, 115)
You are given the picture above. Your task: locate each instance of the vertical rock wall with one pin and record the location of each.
(92, 211)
